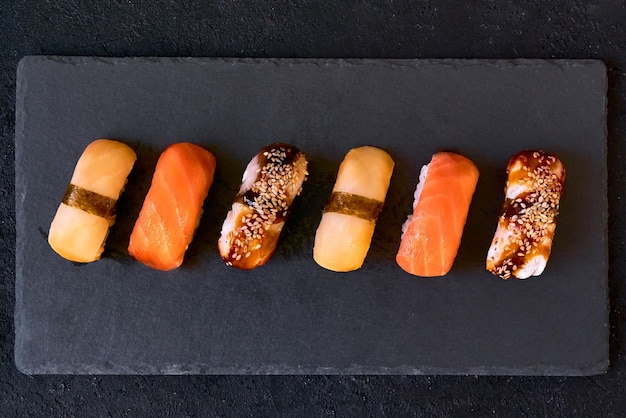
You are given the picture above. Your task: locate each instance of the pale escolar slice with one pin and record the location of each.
(80, 227)
(345, 232)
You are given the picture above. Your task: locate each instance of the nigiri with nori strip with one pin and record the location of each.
(345, 232)
(81, 225)
(432, 234)
(172, 208)
(270, 183)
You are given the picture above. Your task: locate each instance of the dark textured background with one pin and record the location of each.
(567, 29)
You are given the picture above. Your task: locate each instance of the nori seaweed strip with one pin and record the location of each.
(90, 202)
(354, 205)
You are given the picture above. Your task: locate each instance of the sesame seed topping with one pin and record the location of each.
(278, 180)
(530, 216)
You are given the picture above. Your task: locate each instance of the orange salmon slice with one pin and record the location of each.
(171, 211)
(433, 233)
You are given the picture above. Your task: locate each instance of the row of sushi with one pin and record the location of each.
(274, 177)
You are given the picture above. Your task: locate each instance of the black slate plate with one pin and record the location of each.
(291, 316)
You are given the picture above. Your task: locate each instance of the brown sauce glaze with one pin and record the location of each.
(531, 215)
(267, 203)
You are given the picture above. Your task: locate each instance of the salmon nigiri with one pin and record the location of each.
(82, 221)
(432, 234)
(345, 232)
(173, 206)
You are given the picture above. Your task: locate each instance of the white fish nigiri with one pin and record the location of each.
(80, 227)
(345, 232)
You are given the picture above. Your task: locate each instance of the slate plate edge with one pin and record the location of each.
(21, 190)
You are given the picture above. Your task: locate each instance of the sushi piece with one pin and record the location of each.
(270, 183)
(523, 240)
(172, 208)
(345, 232)
(432, 234)
(81, 225)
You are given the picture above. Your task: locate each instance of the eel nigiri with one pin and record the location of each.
(81, 225)
(523, 239)
(345, 232)
(432, 234)
(172, 208)
(270, 183)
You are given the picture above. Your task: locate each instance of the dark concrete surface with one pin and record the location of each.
(372, 29)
